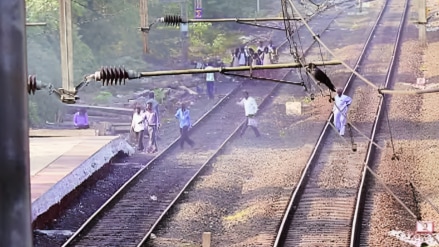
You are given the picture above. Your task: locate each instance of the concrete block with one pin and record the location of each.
(293, 108)
(207, 237)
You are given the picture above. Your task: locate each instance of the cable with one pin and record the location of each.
(391, 192)
(394, 156)
(293, 45)
(323, 44)
(321, 55)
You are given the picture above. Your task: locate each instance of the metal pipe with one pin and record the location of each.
(112, 76)
(15, 223)
(404, 92)
(32, 24)
(242, 19)
(231, 69)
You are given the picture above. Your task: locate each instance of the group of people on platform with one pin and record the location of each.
(147, 122)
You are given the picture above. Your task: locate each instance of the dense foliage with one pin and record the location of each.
(105, 33)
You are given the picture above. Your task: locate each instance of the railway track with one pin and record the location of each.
(325, 208)
(363, 205)
(130, 215)
(320, 25)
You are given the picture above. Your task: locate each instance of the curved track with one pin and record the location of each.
(322, 212)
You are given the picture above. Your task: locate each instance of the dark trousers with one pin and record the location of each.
(210, 89)
(244, 128)
(82, 126)
(139, 138)
(185, 136)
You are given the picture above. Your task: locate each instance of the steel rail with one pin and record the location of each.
(283, 229)
(148, 234)
(224, 143)
(213, 156)
(357, 220)
(137, 174)
(128, 183)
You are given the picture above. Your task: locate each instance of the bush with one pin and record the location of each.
(103, 97)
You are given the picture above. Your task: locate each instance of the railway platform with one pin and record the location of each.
(61, 162)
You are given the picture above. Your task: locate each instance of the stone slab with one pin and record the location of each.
(293, 108)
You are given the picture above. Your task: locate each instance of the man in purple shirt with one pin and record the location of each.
(80, 119)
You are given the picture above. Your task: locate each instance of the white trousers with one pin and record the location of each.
(340, 122)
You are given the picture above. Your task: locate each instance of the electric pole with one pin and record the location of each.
(15, 207)
(66, 44)
(143, 8)
(184, 30)
(422, 20)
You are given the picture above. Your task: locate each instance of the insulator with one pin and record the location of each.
(173, 20)
(32, 84)
(113, 76)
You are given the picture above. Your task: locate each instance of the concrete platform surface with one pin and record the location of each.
(62, 132)
(60, 164)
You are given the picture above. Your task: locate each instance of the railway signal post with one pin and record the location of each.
(15, 223)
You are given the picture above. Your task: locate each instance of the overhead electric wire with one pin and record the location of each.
(329, 50)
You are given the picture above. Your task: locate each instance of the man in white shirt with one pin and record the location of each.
(260, 47)
(210, 80)
(138, 126)
(340, 110)
(250, 108)
(242, 58)
(152, 122)
(155, 107)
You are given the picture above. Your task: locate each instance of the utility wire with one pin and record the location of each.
(329, 50)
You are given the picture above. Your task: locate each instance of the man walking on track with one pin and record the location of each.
(185, 123)
(155, 107)
(340, 110)
(210, 82)
(138, 126)
(250, 108)
(152, 123)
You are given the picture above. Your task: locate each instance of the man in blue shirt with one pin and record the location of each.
(210, 82)
(185, 123)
